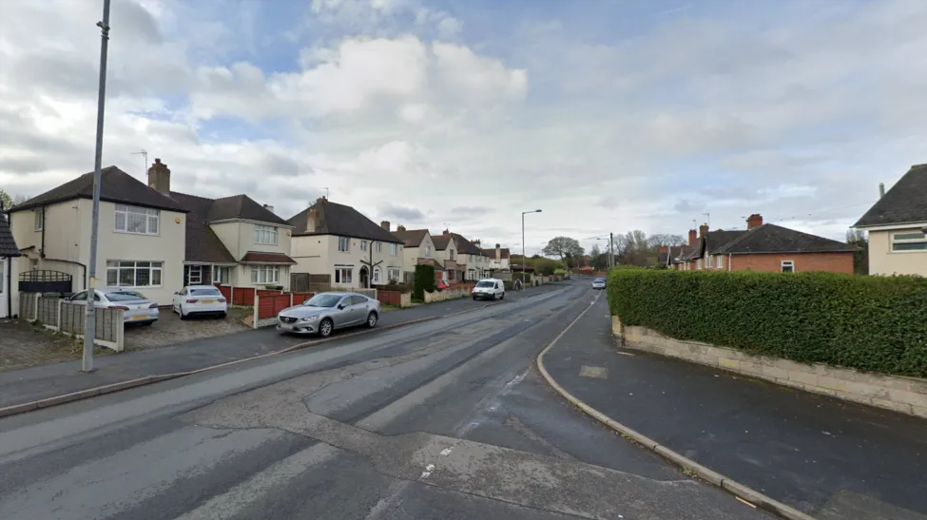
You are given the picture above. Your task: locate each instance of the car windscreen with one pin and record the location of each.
(599, 280)
(124, 296)
(486, 284)
(323, 300)
(205, 292)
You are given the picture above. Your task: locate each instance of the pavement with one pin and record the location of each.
(444, 419)
(825, 457)
(51, 380)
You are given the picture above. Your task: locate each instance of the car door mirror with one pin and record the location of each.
(341, 306)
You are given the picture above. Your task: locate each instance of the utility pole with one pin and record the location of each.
(90, 328)
(611, 250)
(523, 259)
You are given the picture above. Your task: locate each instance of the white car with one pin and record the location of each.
(489, 289)
(137, 308)
(200, 299)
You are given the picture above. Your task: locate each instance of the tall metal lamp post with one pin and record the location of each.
(90, 323)
(523, 259)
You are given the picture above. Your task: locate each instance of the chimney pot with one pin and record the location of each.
(446, 232)
(754, 220)
(384, 224)
(881, 189)
(269, 208)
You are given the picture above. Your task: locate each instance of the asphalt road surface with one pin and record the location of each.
(446, 419)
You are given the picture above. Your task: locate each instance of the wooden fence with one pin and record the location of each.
(69, 318)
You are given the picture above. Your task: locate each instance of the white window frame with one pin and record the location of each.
(265, 274)
(151, 218)
(116, 266)
(40, 219)
(344, 245)
(699, 264)
(265, 235)
(393, 273)
(363, 245)
(393, 248)
(196, 279)
(344, 275)
(920, 239)
(427, 251)
(787, 263)
(217, 271)
(451, 254)
(377, 274)
(379, 247)
(719, 261)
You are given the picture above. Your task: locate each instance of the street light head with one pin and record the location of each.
(537, 211)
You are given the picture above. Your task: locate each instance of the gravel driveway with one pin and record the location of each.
(170, 330)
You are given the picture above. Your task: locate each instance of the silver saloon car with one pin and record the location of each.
(137, 308)
(598, 283)
(325, 312)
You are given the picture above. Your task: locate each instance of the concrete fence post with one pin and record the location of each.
(120, 331)
(60, 304)
(255, 313)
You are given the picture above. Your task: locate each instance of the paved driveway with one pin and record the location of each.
(170, 330)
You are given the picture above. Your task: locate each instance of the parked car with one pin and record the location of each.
(199, 299)
(598, 283)
(489, 289)
(328, 311)
(137, 308)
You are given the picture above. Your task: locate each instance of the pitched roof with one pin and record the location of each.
(717, 239)
(441, 241)
(203, 245)
(261, 257)
(341, 220)
(412, 237)
(7, 244)
(491, 253)
(243, 207)
(905, 202)
(464, 246)
(116, 186)
(770, 238)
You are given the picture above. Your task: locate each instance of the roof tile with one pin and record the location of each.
(905, 202)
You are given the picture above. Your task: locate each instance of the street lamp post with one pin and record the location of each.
(523, 259)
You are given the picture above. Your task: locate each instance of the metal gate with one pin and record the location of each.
(44, 281)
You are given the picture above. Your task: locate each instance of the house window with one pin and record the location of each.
(909, 241)
(719, 261)
(699, 265)
(344, 244)
(393, 273)
(220, 275)
(376, 275)
(451, 253)
(392, 249)
(379, 247)
(450, 275)
(788, 266)
(140, 221)
(344, 275)
(195, 275)
(363, 245)
(265, 274)
(427, 251)
(40, 219)
(266, 235)
(123, 273)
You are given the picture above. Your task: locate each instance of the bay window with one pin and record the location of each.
(132, 273)
(265, 274)
(137, 220)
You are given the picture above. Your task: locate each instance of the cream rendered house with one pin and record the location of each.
(897, 227)
(499, 258)
(141, 235)
(9, 295)
(338, 241)
(417, 244)
(447, 253)
(231, 240)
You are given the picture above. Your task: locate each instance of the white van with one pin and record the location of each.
(489, 288)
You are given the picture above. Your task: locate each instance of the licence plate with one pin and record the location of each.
(139, 318)
(286, 326)
(208, 302)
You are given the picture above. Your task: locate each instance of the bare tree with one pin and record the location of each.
(660, 240)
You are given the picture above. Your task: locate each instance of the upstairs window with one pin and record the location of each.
(363, 245)
(379, 247)
(344, 244)
(266, 235)
(392, 249)
(40, 219)
(137, 220)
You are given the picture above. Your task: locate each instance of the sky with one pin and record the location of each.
(607, 115)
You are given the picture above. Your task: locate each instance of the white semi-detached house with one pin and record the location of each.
(141, 235)
(338, 241)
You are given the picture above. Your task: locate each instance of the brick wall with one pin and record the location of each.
(833, 262)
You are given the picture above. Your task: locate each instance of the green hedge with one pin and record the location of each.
(424, 281)
(876, 324)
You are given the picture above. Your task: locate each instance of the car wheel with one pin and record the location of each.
(372, 320)
(503, 296)
(182, 315)
(325, 328)
(222, 315)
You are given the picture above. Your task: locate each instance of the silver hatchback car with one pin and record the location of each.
(325, 312)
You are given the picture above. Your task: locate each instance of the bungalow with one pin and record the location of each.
(140, 242)
(765, 247)
(231, 240)
(9, 299)
(339, 242)
(897, 226)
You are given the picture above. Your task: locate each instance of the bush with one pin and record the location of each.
(876, 324)
(424, 281)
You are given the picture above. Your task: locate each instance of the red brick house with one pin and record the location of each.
(764, 247)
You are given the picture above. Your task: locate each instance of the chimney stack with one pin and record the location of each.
(693, 236)
(476, 242)
(446, 232)
(269, 208)
(498, 252)
(754, 220)
(384, 224)
(881, 189)
(400, 228)
(702, 230)
(159, 177)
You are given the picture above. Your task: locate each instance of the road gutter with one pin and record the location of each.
(738, 490)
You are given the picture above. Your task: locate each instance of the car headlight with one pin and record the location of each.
(309, 318)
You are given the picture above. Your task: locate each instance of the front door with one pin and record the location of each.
(364, 277)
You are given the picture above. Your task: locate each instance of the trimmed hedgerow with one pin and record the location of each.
(870, 323)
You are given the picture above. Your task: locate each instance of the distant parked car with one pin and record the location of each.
(328, 311)
(137, 308)
(200, 299)
(489, 288)
(598, 283)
